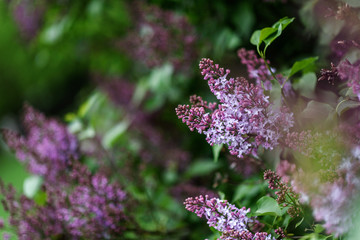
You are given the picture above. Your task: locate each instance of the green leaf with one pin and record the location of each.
(255, 38)
(32, 185)
(345, 105)
(301, 65)
(201, 167)
(40, 198)
(279, 26)
(246, 190)
(306, 84)
(319, 228)
(317, 110)
(265, 33)
(269, 34)
(299, 223)
(284, 22)
(216, 151)
(275, 94)
(268, 206)
(114, 133)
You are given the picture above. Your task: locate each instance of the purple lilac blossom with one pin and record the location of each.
(231, 221)
(91, 208)
(28, 16)
(335, 202)
(258, 71)
(285, 195)
(77, 204)
(244, 119)
(350, 73)
(48, 148)
(159, 36)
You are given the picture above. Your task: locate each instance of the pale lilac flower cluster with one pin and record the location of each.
(47, 149)
(244, 119)
(76, 204)
(333, 199)
(231, 221)
(28, 15)
(92, 209)
(350, 73)
(256, 67)
(335, 202)
(286, 196)
(258, 71)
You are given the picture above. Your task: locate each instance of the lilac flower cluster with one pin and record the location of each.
(256, 67)
(322, 151)
(333, 202)
(244, 119)
(47, 149)
(158, 37)
(258, 71)
(28, 16)
(76, 203)
(231, 221)
(92, 209)
(350, 73)
(286, 196)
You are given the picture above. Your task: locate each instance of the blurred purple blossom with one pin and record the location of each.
(47, 149)
(350, 73)
(89, 206)
(159, 36)
(28, 15)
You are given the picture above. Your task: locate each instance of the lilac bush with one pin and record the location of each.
(120, 169)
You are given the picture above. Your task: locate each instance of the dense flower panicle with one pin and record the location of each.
(286, 195)
(158, 37)
(350, 73)
(334, 202)
(244, 119)
(231, 221)
(245, 235)
(93, 209)
(48, 148)
(220, 214)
